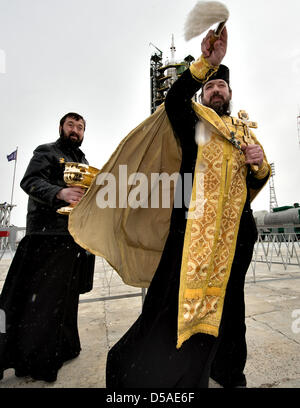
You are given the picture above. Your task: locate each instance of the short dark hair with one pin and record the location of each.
(72, 115)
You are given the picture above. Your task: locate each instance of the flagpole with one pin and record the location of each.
(13, 185)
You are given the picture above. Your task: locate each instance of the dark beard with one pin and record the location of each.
(221, 109)
(73, 144)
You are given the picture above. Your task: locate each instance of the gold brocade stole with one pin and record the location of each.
(218, 197)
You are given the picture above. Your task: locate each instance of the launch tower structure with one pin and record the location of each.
(298, 125)
(5, 211)
(273, 199)
(164, 74)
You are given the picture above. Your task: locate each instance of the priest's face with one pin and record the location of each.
(216, 94)
(72, 131)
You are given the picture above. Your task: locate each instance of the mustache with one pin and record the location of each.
(218, 95)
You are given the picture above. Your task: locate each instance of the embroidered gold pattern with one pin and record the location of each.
(210, 239)
(201, 70)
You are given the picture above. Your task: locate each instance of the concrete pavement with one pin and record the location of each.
(273, 329)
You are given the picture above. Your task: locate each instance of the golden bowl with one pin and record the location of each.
(79, 175)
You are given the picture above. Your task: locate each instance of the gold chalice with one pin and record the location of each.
(79, 175)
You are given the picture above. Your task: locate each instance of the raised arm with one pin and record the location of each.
(178, 99)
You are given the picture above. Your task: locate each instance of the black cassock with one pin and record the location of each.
(40, 300)
(49, 271)
(146, 356)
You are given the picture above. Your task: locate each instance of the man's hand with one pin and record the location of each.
(253, 154)
(71, 195)
(214, 53)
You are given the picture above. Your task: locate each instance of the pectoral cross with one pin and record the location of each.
(244, 117)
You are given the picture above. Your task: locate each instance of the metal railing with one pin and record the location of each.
(108, 276)
(276, 248)
(10, 238)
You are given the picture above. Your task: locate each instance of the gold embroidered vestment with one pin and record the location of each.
(132, 239)
(212, 228)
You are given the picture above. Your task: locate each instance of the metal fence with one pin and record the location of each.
(10, 238)
(276, 248)
(108, 275)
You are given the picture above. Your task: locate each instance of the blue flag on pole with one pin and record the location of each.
(12, 156)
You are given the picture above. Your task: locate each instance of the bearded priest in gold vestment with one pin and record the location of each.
(192, 325)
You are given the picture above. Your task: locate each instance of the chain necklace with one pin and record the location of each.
(236, 143)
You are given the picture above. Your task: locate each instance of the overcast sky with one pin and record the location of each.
(92, 57)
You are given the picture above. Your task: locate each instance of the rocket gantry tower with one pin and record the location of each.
(164, 74)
